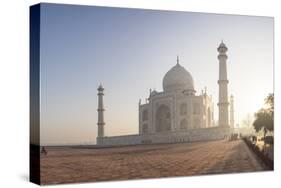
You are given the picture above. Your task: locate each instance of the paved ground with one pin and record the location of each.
(67, 165)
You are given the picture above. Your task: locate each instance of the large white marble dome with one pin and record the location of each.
(178, 78)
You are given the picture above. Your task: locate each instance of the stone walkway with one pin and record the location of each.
(68, 165)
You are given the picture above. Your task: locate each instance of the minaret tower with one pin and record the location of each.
(223, 82)
(100, 114)
(231, 118)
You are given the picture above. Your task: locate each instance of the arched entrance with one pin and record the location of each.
(184, 124)
(163, 119)
(144, 128)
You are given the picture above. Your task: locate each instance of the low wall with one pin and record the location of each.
(266, 160)
(192, 135)
(119, 140)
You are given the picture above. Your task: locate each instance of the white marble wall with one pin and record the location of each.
(191, 135)
(174, 100)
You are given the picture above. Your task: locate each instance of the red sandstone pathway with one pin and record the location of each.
(68, 165)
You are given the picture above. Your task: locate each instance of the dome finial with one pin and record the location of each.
(222, 47)
(178, 60)
(100, 88)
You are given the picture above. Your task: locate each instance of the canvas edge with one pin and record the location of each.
(34, 81)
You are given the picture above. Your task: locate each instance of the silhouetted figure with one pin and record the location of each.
(44, 151)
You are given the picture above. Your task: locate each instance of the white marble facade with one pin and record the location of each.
(176, 114)
(177, 107)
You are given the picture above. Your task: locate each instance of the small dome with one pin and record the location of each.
(222, 47)
(178, 78)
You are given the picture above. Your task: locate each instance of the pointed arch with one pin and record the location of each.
(163, 118)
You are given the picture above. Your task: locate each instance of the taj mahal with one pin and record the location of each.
(177, 114)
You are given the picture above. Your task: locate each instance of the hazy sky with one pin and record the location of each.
(129, 51)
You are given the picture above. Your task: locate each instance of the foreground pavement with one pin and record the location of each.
(69, 165)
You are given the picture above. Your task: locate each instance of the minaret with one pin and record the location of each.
(100, 114)
(223, 93)
(231, 118)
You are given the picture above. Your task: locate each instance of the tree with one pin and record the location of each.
(269, 101)
(264, 117)
(263, 121)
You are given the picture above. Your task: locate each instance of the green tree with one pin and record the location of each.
(269, 100)
(264, 117)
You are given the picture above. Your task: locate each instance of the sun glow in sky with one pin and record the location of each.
(129, 51)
